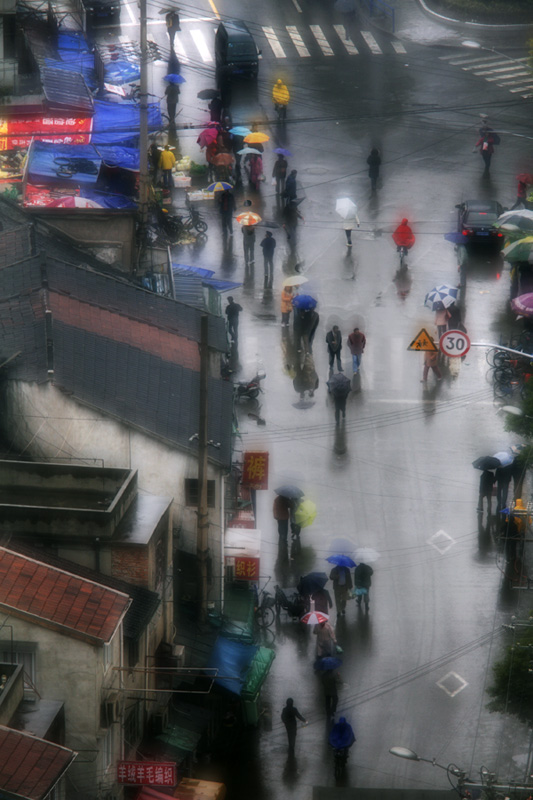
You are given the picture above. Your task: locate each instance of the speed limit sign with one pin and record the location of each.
(454, 344)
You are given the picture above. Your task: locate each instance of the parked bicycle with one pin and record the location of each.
(264, 607)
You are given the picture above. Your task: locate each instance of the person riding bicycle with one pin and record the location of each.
(403, 236)
(280, 97)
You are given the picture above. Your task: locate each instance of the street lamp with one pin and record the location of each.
(451, 769)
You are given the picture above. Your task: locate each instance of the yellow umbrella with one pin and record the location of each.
(305, 513)
(248, 218)
(256, 137)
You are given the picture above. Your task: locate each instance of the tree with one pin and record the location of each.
(512, 689)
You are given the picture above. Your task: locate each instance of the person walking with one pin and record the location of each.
(322, 600)
(486, 484)
(281, 511)
(233, 310)
(256, 171)
(442, 315)
(305, 323)
(286, 305)
(215, 109)
(486, 148)
(521, 194)
(349, 224)
(357, 344)
(290, 187)
(362, 580)
(374, 163)
(279, 173)
(326, 643)
(340, 387)
(172, 93)
(248, 242)
(330, 679)
(226, 207)
(172, 20)
(334, 343)
(166, 164)
(431, 362)
(289, 715)
(342, 585)
(268, 246)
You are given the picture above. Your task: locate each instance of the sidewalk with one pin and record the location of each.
(415, 22)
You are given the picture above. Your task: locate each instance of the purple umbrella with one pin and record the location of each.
(304, 302)
(281, 151)
(523, 304)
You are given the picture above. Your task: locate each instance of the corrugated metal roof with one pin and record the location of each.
(67, 90)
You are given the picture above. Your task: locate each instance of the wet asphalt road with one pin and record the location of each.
(397, 475)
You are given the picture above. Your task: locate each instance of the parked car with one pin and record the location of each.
(236, 52)
(475, 219)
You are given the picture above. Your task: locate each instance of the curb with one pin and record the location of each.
(488, 26)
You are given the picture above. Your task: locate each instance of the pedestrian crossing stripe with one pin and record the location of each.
(423, 341)
(504, 72)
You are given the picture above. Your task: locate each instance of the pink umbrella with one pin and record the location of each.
(523, 304)
(207, 136)
(314, 618)
(71, 201)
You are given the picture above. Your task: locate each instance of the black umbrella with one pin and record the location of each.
(290, 492)
(208, 94)
(486, 462)
(309, 584)
(339, 385)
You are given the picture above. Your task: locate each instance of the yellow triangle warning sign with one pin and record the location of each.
(423, 341)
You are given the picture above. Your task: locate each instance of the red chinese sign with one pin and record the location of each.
(18, 132)
(246, 568)
(147, 773)
(255, 470)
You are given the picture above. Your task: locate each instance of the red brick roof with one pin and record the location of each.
(57, 599)
(29, 767)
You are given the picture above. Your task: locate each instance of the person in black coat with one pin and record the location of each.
(289, 715)
(226, 207)
(268, 245)
(279, 172)
(305, 324)
(486, 482)
(374, 163)
(233, 310)
(334, 343)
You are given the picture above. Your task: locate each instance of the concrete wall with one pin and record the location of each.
(41, 420)
(72, 671)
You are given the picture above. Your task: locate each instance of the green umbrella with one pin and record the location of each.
(522, 250)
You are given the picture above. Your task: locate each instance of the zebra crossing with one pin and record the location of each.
(195, 43)
(509, 73)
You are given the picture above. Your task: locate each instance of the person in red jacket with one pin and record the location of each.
(403, 236)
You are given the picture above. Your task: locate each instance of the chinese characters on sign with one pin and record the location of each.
(246, 568)
(147, 773)
(255, 470)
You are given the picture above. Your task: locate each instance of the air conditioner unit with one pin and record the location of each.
(178, 651)
(110, 709)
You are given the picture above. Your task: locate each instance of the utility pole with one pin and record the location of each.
(143, 109)
(202, 536)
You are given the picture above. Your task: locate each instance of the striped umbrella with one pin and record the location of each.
(521, 218)
(445, 294)
(219, 186)
(522, 250)
(248, 218)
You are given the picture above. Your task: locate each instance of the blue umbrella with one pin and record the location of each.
(505, 458)
(304, 302)
(173, 78)
(445, 294)
(240, 130)
(281, 151)
(341, 561)
(329, 662)
(455, 238)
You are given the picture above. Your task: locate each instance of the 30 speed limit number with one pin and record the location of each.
(454, 344)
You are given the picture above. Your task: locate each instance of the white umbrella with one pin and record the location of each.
(345, 207)
(294, 280)
(247, 151)
(505, 458)
(365, 555)
(341, 545)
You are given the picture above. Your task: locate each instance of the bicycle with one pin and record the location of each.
(264, 610)
(402, 252)
(194, 220)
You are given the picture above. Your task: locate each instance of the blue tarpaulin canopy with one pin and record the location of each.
(206, 276)
(76, 163)
(117, 123)
(233, 660)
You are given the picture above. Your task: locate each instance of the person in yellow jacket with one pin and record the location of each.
(286, 305)
(280, 98)
(166, 162)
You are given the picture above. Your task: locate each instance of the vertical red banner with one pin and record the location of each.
(255, 470)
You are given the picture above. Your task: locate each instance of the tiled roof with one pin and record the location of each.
(30, 767)
(58, 599)
(144, 603)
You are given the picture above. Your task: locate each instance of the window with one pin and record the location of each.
(132, 729)
(23, 653)
(107, 749)
(191, 492)
(108, 655)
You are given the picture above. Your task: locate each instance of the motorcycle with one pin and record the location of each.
(249, 390)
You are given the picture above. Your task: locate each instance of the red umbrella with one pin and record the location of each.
(314, 618)
(207, 136)
(223, 160)
(525, 177)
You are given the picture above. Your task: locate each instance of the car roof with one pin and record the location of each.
(481, 205)
(235, 26)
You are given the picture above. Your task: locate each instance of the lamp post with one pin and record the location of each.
(451, 769)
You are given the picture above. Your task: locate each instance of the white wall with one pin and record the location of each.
(41, 420)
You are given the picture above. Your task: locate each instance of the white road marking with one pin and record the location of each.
(322, 42)
(347, 42)
(131, 15)
(371, 42)
(398, 47)
(297, 6)
(199, 41)
(274, 42)
(521, 88)
(180, 50)
(502, 80)
(297, 41)
(489, 63)
(461, 61)
(507, 68)
(455, 682)
(441, 541)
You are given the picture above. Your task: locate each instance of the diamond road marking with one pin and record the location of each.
(452, 684)
(441, 541)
